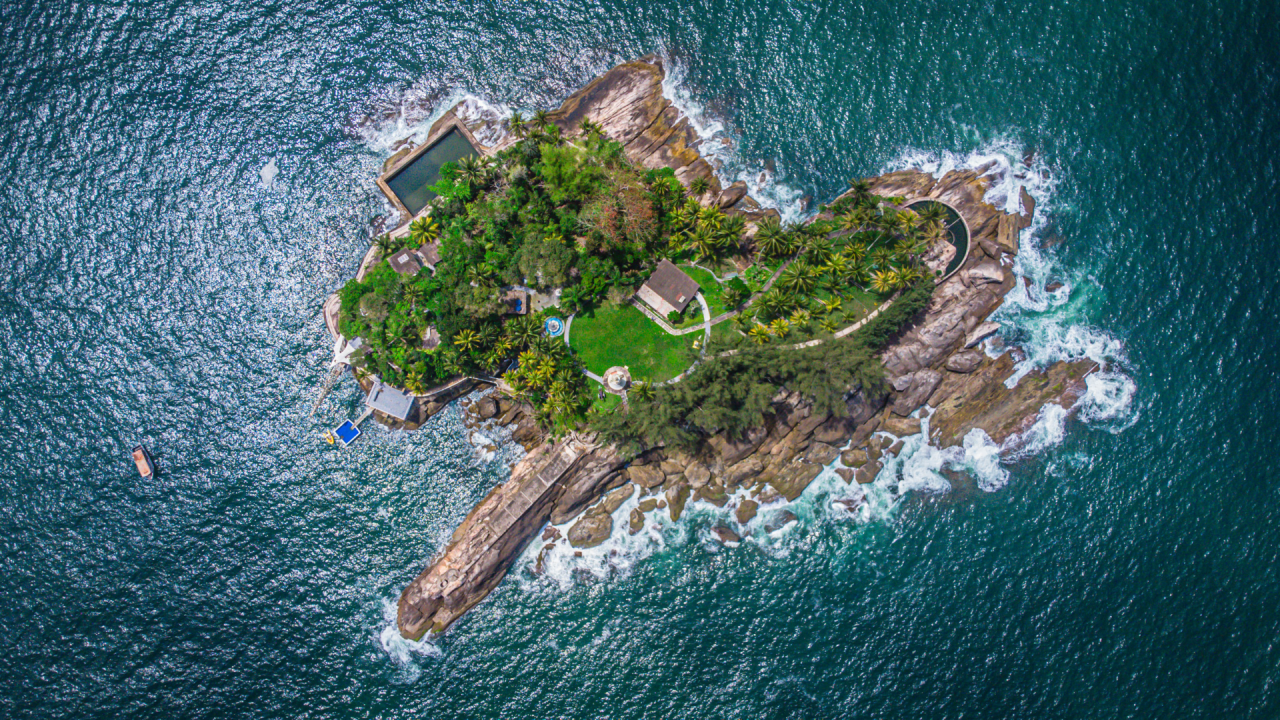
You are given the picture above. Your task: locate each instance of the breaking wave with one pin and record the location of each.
(717, 145)
(403, 653)
(1045, 315)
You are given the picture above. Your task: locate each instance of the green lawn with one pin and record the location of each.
(609, 336)
(712, 290)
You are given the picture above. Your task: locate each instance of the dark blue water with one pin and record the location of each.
(154, 291)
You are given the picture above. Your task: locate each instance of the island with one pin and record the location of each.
(648, 332)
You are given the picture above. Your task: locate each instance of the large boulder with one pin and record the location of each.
(965, 361)
(900, 426)
(746, 510)
(867, 473)
(743, 472)
(615, 498)
(677, 496)
(646, 476)
(821, 453)
(913, 390)
(732, 450)
(697, 474)
(791, 481)
(591, 530)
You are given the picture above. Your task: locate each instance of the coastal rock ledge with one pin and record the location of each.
(933, 362)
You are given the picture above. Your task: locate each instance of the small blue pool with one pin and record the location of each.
(554, 327)
(346, 432)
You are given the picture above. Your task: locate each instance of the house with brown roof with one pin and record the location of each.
(406, 262)
(668, 289)
(429, 255)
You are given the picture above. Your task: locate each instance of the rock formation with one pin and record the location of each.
(933, 362)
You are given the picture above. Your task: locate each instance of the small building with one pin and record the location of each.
(516, 301)
(668, 289)
(389, 400)
(429, 255)
(430, 338)
(406, 262)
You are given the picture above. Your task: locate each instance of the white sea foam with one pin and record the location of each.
(1047, 326)
(409, 115)
(718, 147)
(404, 653)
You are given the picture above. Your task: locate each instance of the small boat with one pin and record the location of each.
(142, 458)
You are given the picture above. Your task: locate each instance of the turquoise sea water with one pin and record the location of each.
(155, 291)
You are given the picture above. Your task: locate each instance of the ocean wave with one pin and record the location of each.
(403, 653)
(718, 146)
(1046, 325)
(407, 116)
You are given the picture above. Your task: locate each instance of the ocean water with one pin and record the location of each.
(1121, 564)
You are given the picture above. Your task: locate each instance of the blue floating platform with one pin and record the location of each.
(346, 432)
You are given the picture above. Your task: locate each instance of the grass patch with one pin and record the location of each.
(609, 336)
(712, 290)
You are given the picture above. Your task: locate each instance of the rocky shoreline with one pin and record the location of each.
(935, 362)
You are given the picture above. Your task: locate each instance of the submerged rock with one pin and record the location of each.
(725, 535)
(779, 520)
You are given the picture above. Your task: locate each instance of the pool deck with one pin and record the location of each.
(447, 122)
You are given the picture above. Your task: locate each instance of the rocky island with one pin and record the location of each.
(831, 340)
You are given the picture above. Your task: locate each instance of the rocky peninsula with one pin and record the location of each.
(936, 360)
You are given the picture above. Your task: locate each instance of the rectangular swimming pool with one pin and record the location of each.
(411, 183)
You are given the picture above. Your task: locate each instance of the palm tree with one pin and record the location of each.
(780, 327)
(881, 256)
(703, 242)
(831, 305)
(413, 381)
(817, 249)
(883, 281)
(931, 212)
(519, 127)
(643, 391)
(800, 318)
(424, 231)
(589, 127)
(471, 170)
(850, 222)
(699, 186)
(770, 240)
(774, 303)
(541, 118)
(800, 277)
(524, 331)
(759, 334)
(854, 253)
(414, 293)
(387, 244)
(731, 230)
(467, 339)
(827, 325)
(861, 190)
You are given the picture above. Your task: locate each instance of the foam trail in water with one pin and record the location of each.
(404, 653)
(716, 145)
(410, 115)
(1047, 325)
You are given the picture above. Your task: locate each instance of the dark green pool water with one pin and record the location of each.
(153, 291)
(412, 184)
